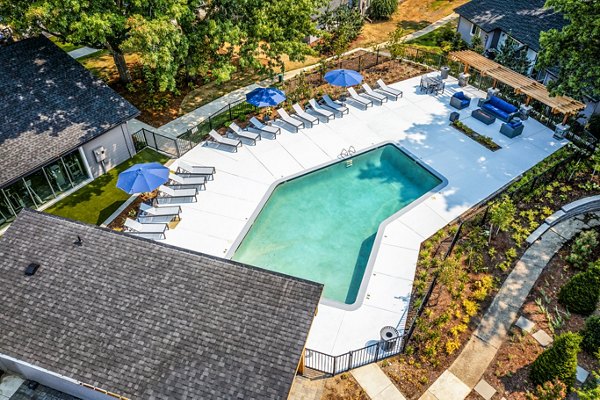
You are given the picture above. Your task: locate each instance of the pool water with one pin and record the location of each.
(321, 226)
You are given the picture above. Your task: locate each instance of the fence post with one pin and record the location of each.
(230, 115)
(485, 214)
(377, 352)
(334, 364)
(155, 142)
(177, 148)
(377, 57)
(210, 122)
(359, 62)
(349, 361)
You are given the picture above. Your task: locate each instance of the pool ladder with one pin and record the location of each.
(347, 153)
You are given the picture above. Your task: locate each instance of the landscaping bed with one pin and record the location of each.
(343, 387)
(469, 278)
(483, 140)
(509, 372)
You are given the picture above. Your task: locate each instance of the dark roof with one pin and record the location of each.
(148, 320)
(50, 105)
(523, 20)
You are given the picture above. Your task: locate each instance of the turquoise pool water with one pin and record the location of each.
(321, 226)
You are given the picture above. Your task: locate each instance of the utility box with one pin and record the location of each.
(100, 154)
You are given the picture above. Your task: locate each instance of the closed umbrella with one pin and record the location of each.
(343, 77)
(142, 178)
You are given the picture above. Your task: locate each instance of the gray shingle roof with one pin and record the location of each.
(50, 105)
(523, 20)
(148, 320)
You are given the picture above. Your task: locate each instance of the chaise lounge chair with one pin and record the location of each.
(317, 109)
(373, 94)
(147, 231)
(395, 93)
(273, 130)
(300, 113)
(360, 99)
(169, 195)
(244, 134)
(233, 143)
(293, 122)
(334, 105)
(186, 169)
(177, 181)
(166, 214)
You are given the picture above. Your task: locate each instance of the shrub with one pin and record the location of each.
(557, 362)
(550, 391)
(591, 335)
(382, 9)
(582, 249)
(580, 294)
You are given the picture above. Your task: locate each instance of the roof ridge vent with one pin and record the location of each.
(31, 269)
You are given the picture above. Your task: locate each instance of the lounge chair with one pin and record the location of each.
(293, 122)
(273, 130)
(373, 94)
(177, 181)
(334, 105)
(166, 214)
(234, 143)
(317, 109)
(360, 99)
(169, 195)
(300, 113)
(147, 231)
(189, 169)
(244, 134)
(395, 93)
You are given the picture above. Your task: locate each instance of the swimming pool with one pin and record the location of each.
(322, 225)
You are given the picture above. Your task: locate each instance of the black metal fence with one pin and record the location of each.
(174, 147)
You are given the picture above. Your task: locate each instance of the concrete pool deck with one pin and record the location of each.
(419, 123)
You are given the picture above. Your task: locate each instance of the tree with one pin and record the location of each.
(396, 43)
(557, 362)
(382, 9)
(194, 37)
(113, 25)
(477, 44)
(513, 56)
(502, 215)
(339, 27)
(574, 49)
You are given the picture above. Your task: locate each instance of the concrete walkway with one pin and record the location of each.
(466, 371)
(376, 383)
(193, 118)
(82, 52)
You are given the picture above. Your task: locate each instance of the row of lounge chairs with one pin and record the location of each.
(325, 110)
(182, 187)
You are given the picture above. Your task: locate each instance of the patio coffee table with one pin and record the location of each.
(482, 116)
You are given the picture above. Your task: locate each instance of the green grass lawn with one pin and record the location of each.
(96, 201)
(433, 41)
(67, 47)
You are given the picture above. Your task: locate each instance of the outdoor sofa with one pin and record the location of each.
(500, 108)
(459, 100)
(512, 128)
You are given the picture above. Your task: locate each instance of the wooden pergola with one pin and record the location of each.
(531, 88)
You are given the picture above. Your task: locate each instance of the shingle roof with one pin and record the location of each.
(50, 105)
(523, 20)
(148, 320)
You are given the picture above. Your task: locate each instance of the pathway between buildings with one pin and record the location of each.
(193, 118)
(376, 383)
(466, 371)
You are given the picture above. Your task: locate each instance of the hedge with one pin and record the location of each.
(581, 293)
(591, 335)
(557, 362)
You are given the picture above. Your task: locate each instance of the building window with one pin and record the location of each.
(474, 29)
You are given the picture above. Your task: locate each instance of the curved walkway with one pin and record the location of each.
(466, 371)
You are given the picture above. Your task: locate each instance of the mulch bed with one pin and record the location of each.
(131, 211)
(343, 387)
(509, 372)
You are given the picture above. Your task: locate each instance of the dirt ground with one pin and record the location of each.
(411, 15)
(509, 372)
(343, 387)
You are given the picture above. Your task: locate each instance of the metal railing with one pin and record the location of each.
(174, 147)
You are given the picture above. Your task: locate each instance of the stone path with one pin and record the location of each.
(466, 371)
(193, 118)
(9, 384)
(376, 383)
(307, 389)
(82, 52)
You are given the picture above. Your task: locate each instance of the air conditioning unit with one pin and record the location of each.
(100, 154)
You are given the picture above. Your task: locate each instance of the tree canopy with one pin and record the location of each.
(574, 50)
(193, 37)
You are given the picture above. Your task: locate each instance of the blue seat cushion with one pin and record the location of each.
(515, 124)
(496, 111)
(502, 105)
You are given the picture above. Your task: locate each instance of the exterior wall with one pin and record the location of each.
(465, 27)
(119, 147)
(50, 379)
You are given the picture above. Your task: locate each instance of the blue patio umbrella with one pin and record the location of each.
(265, 97)
(142, 178)
(343, 77)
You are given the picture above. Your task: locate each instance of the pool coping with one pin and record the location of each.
(360, 296)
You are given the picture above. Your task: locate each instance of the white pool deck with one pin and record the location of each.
(419, 123)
